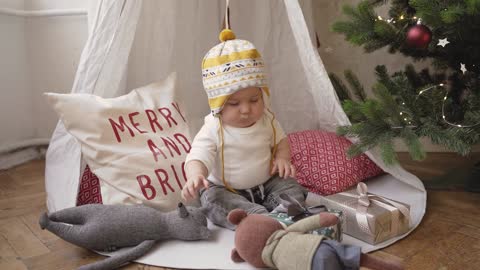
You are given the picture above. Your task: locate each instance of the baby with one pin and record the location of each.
(240, 158)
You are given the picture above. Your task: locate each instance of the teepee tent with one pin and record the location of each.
(133, 43)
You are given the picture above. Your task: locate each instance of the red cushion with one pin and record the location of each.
(89, 190)
(322, 164)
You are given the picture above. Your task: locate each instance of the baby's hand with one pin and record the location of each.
(193, 185)
(284, 167)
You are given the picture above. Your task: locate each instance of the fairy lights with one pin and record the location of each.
(444, 118)
(392, 20)
(442, 42)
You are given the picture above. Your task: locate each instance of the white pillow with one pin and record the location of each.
(136, 144)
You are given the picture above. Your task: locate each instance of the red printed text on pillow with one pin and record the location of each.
(166, 178)
(170, 144)
(163, 177)
(157, 119)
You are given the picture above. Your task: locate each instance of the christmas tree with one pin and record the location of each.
(441, 103)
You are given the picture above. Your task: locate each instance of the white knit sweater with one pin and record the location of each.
(247, 151)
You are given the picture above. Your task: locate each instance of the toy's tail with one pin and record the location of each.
(121, 258)
(43, 221)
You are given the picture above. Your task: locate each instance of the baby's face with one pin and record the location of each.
(243, 108)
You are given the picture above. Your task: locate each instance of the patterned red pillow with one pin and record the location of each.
(89, 190)
(322, 164)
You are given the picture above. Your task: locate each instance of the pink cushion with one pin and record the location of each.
(322, 164)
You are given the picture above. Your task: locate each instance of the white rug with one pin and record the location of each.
(215, 253)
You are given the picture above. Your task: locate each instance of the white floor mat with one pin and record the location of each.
(215, 253)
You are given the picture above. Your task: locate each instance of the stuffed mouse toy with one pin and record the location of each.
(110, 227)
(263, 242)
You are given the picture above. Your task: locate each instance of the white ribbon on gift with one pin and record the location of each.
(364, 200)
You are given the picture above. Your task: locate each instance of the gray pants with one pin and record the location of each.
(332, 255)
(258, 200)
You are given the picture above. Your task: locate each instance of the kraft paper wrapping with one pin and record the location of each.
(369, 217)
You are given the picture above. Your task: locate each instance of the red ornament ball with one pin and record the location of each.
(419, 36)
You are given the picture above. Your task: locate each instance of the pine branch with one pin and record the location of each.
(388, 105)
(398, 110)
(384, 78)
(400, 7)
(387, 151)
(452, 14)
(385, 31)
(412, 76)
(428, 10)
(353, 110)
(359, 30)
(413, 144)
(340, 88)
(355, 84)
(371, 110)
(448, 137)
(473, 6)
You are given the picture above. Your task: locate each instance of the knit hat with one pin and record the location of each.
(232, 65)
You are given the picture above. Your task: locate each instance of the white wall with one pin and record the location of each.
(39, 54)
(54, 46)
(15, 82)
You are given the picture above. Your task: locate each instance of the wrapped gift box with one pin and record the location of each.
(332, 232)
(369, 217)
(294, 211)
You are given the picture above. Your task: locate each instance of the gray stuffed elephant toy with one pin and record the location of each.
(110, 227)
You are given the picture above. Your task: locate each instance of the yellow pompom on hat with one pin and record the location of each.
(232, 65)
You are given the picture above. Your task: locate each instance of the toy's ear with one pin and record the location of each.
(182, 210)
(235, 256)
(236, 215)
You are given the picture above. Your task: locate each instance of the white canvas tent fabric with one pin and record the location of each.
(133, 43)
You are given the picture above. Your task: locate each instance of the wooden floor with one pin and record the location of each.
(447, 238)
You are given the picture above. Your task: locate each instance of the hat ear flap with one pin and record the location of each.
(235, 216)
